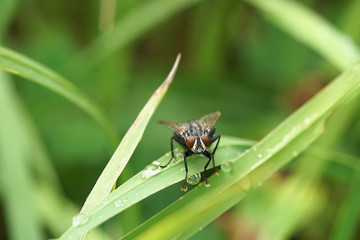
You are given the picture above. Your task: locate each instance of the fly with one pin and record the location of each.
(196, 137)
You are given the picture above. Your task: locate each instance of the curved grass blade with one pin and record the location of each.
(199, 207)
(127, 146)
(145, 16)
(20, 65)
(311, 29)
(151, 180)
(248, 169)
(339, 49)
(17, 187)
(185, 217)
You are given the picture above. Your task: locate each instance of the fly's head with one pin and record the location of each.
(198, 144)
(196, 137)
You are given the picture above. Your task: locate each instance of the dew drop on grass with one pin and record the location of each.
(79, 219)
(150, 171)
(119, 203)
(194, 179)
(105, 201)
(156, 163)
(179, 155)
(295, 153)
(226, 167)
(260, 155)
(246, 184)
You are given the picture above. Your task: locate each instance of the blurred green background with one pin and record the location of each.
(233, 60)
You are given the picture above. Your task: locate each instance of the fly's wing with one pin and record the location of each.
(172, 125)
(210, 119)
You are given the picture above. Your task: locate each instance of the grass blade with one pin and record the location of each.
(311, 29)
(185, 217)
(249, 169)
(141, 186)
(317, 33)
(20, 65)
(201, 206)
(127, 146)
(17, 187)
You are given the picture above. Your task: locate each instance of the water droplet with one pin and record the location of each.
(226, 167)
(105, 201)
(150, 171)
(79, 219)
(157, 163)
(246, 184)
(179, 155)
(182, 169)
(125, 200)
(295, 153)
(119, 203)
(260, 155)
(194, 179)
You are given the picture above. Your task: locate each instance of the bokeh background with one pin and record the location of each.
(233, 60)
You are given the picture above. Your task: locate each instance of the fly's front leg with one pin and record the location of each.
(210, 156)
(172, 152)
(186, 154)
(217, 137)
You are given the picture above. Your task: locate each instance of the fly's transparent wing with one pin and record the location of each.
(172, 125)
(210, 119)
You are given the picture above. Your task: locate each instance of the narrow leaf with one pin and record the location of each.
(127, 146)
(311, 29)
(146, 183)
(291, 137)
(20, 65)
(17, 187)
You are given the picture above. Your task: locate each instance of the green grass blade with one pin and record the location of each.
(133, 25)
(311, 29)
(127, 146)
(317, 33)
(202, 205)
(143, 184)
(281, 145)
(17, 187)
(20, 65)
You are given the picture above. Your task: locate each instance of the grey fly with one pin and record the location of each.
(195, 137)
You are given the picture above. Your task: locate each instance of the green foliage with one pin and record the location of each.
(298, 181)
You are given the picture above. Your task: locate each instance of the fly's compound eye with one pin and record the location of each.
(190, 142)
(205, 140)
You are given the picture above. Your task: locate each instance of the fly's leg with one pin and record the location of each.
(210, 156)
(172, 152)
(186, 154)
(217, 137)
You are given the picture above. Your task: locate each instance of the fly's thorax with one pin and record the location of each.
(194, 128)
